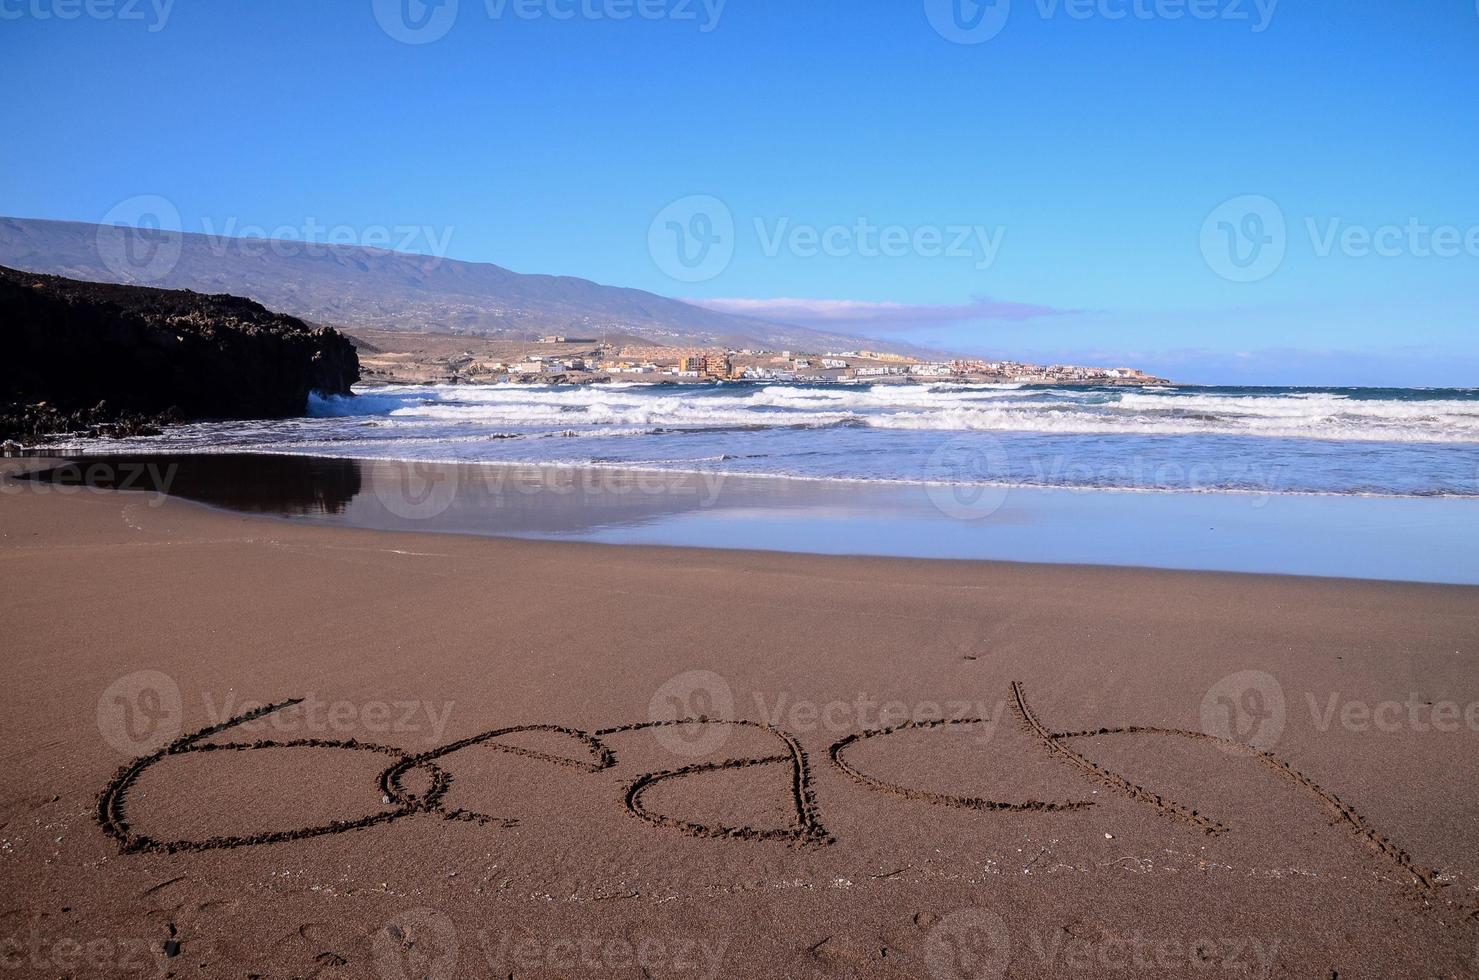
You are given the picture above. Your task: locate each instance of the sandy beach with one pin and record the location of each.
(677, 490)
(932, 769)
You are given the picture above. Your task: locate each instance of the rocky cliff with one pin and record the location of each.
(114, 358)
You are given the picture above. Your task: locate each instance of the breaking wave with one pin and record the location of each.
(1404, 442)
(1362, 415)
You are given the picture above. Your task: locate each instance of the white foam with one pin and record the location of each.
(951, 407)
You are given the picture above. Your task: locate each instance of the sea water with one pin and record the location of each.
(1373, 441)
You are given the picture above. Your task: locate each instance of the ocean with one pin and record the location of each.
(1349, 441)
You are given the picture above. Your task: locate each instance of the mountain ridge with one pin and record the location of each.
(363, 286)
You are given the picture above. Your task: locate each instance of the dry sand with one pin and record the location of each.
(378, 829)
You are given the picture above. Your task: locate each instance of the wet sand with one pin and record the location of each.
(1414, 539)
(936, 769)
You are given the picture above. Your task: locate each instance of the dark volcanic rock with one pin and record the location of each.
(32, 423)
(108, 359)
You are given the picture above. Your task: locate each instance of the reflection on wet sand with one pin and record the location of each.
(290, 486)
(425, 496)
(1394, 538)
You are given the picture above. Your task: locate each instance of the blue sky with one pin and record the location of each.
(1092, 142)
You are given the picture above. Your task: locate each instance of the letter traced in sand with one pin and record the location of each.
(963, 802)
(112, 802)
(1346, 816)
(805, 830)
(402, 802)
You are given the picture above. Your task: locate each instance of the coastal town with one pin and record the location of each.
(388, 357)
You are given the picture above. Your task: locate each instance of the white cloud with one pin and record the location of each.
(832, 313)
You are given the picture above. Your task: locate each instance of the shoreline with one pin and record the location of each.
(101, 451)
(1400, 539)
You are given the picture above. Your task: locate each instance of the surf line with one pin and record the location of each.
(805, 828)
